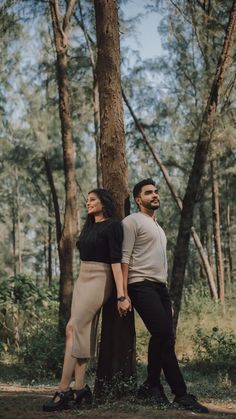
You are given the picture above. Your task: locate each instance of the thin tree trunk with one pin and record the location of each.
(96, 114)
(49, 266)
(229, 240)
(216, 231)
(97, 129)
(177, 199)
(117, 353)
(203, 230)
(53, 194)
(18, 225)
(201, 153)
(54, 197)
(67, 240)
(205, 241)
(13, 211)
(209, 246)
(45, 259)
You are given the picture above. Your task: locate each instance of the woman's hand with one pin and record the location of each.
(124, 306)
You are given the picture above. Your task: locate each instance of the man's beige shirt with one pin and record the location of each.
(144, 248)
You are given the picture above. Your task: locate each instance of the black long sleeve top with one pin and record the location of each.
(102, 242)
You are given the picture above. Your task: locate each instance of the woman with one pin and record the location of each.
(100, 253)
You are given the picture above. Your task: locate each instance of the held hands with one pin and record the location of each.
(124, 306)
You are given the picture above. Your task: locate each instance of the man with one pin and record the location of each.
(144, 265)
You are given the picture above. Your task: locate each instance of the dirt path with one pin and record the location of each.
(18, 402)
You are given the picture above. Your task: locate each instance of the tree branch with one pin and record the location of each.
(69, 11)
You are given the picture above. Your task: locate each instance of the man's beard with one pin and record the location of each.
(152, 205)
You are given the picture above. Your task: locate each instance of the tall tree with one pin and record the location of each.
(116, 356)
(205, 137)
(67, 238)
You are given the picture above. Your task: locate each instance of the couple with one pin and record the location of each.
(134, 254)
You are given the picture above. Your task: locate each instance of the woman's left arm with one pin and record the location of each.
(122, 306)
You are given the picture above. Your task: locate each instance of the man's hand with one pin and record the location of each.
(124, 306)
(130, 303)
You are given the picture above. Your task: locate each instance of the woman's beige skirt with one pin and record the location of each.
(92, 289)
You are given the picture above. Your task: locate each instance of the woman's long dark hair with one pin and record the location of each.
(108, 209)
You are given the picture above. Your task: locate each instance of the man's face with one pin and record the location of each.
(148, 197)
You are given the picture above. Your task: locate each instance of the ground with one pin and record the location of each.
(19, 402)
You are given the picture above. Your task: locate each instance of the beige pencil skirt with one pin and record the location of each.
(91, 291)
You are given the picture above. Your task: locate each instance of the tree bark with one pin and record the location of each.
(96, 113)
(216, 231)
(18, 225)
(69, 230)
(49, 245)
(13, 213)
(116, 356)
(229, 241)
(54, 198)
(204, 227)
(201, 153)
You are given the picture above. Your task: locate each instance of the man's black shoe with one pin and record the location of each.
(155, 394)
(60, 401)
(189, 402)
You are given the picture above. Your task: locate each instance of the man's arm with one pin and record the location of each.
(130, 233)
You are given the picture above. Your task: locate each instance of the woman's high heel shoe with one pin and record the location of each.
(83, 395)
(60, 401)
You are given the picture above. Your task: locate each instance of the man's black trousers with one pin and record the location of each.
(152, 302)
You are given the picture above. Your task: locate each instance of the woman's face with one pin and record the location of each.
(94, 205)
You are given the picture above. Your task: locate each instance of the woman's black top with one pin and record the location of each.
(102, 242)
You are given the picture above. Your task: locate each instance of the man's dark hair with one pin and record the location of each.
(138, 187)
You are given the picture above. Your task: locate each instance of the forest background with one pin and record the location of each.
(167, 110)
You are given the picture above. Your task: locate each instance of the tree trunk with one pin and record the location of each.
(229, 241)
(96, 115)
(97, 129)
(18, 225)
(49, 245)
(203, 231)
(216, 231)
(116, 356)
(204, 228)
(69, 230)
(201, 153)
(13, 212)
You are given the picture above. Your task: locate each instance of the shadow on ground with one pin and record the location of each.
(18, 402)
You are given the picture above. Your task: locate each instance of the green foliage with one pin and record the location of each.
(23, 304)
(43, 351)
(22, 289)
(217, 348)
(29, 320)
(197, 301)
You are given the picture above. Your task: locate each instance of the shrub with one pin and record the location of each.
(215, 349)
(22, 305)
(197, 301)
(42, 352)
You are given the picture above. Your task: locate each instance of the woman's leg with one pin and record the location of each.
(80, 369)
(70, 362)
